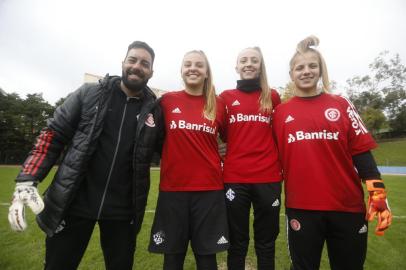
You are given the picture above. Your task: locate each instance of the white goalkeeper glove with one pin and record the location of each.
(25, 194)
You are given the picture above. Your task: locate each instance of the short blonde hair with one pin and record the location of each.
(308, 45)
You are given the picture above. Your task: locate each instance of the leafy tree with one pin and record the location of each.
(374, 119)
(60, 101)
(364, 99)
(399, 123)
(390, 74)
(287, 92)
(20, 122)
(383, 90)
(11, 133)
(36, 111)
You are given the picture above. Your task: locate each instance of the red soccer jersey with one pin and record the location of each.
(190, 159)
(251, 150)
(317, 138)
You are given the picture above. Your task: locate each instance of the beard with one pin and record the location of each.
(134, 85)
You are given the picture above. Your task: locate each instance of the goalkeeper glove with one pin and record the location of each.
(25, 194)
(378, 206)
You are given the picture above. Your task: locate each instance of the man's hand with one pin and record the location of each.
(378, 206)
(25, 194)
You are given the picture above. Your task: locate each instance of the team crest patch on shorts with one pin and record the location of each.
(295, 224)
(230, 194)
(150, 120)
(159, 238)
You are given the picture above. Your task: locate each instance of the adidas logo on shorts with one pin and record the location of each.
(363, 229)
(222, 241)
(60, 227)
(276, 203)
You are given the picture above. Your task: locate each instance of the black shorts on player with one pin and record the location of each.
(198, 216)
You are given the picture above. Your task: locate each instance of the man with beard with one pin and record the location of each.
(108, 132)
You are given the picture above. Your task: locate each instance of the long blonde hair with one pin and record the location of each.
(265, 99)
(308, 45)
(209, 93)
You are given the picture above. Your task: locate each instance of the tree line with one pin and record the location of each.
(380, 98)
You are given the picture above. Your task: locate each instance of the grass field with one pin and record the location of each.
(391, 153)
(26, 250)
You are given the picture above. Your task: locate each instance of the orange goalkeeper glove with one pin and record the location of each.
(378, 206)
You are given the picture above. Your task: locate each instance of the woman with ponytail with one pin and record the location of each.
(252, 174)
(325, 152)
(191, 205)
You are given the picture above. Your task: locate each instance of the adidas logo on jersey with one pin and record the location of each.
(276, 203)
(363, 229)
(235, 103)
(176, 110)
(289, 119)
(222, 241)
(319, 135)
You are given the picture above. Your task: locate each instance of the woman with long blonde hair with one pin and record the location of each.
(191, 205)
(252, 174)
(321, 140)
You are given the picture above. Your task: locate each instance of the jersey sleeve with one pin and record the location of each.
(359, 139)
(52, 139)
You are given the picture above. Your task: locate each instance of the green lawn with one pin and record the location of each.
(26, 250)
(391, 153)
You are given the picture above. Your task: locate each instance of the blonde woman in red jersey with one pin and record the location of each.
(252, 174)
(321, 138)
(191, 203)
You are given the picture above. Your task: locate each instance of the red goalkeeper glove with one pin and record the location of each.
(378, 206)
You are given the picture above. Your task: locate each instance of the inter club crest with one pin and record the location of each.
(295, 224)
(150, 120)
(332, 114)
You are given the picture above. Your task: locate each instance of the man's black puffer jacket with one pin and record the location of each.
(76, 126)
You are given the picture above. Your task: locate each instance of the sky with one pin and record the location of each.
(46, 46)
